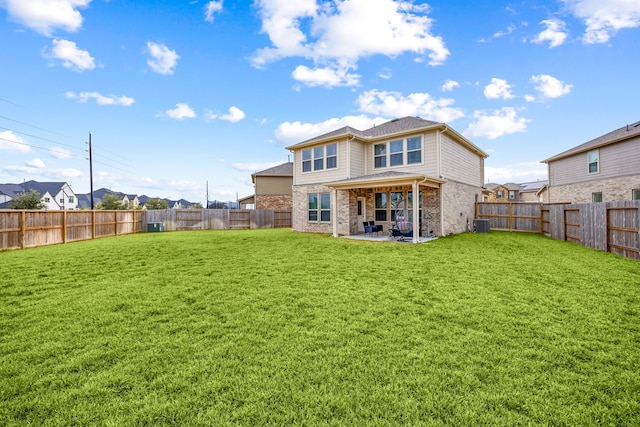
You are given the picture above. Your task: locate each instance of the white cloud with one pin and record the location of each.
(211, 8)
(501, 122)
(604, 18)
(385, 73)
(235, 115)
(72, 58)
(336, 34)
(11, 141)
(550, 87)
(555, 33)
(182, 111)
(101, 99)
(394, 104)
(293, 132)
(38, 167)
(328, 77)
(510, 29)
(162, 59)
(519, 172)
(44, 16)
(61, 153)
(498, 89)
(449, 85)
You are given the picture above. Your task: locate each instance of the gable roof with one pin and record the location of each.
(618, 135)
(283, 169)
(392, 127)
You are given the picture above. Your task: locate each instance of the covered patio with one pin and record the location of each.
(387, 199)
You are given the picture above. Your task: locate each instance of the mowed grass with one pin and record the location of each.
(275, 327)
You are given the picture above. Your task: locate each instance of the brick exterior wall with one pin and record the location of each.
(612, 190)
(299, 215)
(459, 206)
(273, 201)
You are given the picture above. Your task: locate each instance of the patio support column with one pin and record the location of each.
(334, 211)
(416, 213)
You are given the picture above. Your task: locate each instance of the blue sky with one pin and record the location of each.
(180, 93)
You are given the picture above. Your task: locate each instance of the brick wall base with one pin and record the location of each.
(273, 201)
(614, 189)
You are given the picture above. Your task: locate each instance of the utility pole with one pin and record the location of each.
(207, 205)
(90, 171)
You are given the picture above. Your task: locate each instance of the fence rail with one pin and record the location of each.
(219, 219)
(28, 229)
(609, 226)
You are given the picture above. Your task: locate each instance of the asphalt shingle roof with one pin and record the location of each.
(623, 133)
(283, 169)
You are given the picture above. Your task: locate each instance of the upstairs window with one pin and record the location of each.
(306, 160)
(596, 197)
(635, 195)
(594, 160)
(414, 150)
(319, 158)
(380, 156)
(499, 194)
(512, 195)
(397, 152)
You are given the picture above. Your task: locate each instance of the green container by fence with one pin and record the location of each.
(155, 227)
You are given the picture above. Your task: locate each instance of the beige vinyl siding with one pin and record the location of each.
(273, 184)
(428, 166)
(325, 175)
(357, 156)
(458, 163)
(615, 160)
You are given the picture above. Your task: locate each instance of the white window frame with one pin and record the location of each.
(595, 161)
(322, 207)
(317, 158)
(384, 157)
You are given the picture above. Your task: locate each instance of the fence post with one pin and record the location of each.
(510, 216)
(64, 226)
(23, 231)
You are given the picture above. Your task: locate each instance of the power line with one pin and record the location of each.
(45, 148)
(31, 126)
(39, 137)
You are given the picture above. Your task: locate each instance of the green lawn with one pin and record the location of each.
(275, 327)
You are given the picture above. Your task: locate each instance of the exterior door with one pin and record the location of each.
(362, 213)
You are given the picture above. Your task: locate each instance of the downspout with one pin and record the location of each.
(439, 150)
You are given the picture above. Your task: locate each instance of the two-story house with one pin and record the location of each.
(272, 188)
(348, 176)
(54, 195)
(604, 169)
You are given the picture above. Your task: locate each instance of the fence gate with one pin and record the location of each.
(622, 232)
(545, 220)
(572, 225)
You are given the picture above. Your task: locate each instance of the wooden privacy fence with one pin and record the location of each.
(27, 229)
(218, 219)
(607, 226)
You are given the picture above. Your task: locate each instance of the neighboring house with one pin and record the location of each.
(54, 195)
(272, 188)
(535, 191)
(604, 169)
(495, 193)
(512, 192)
(348, 176)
